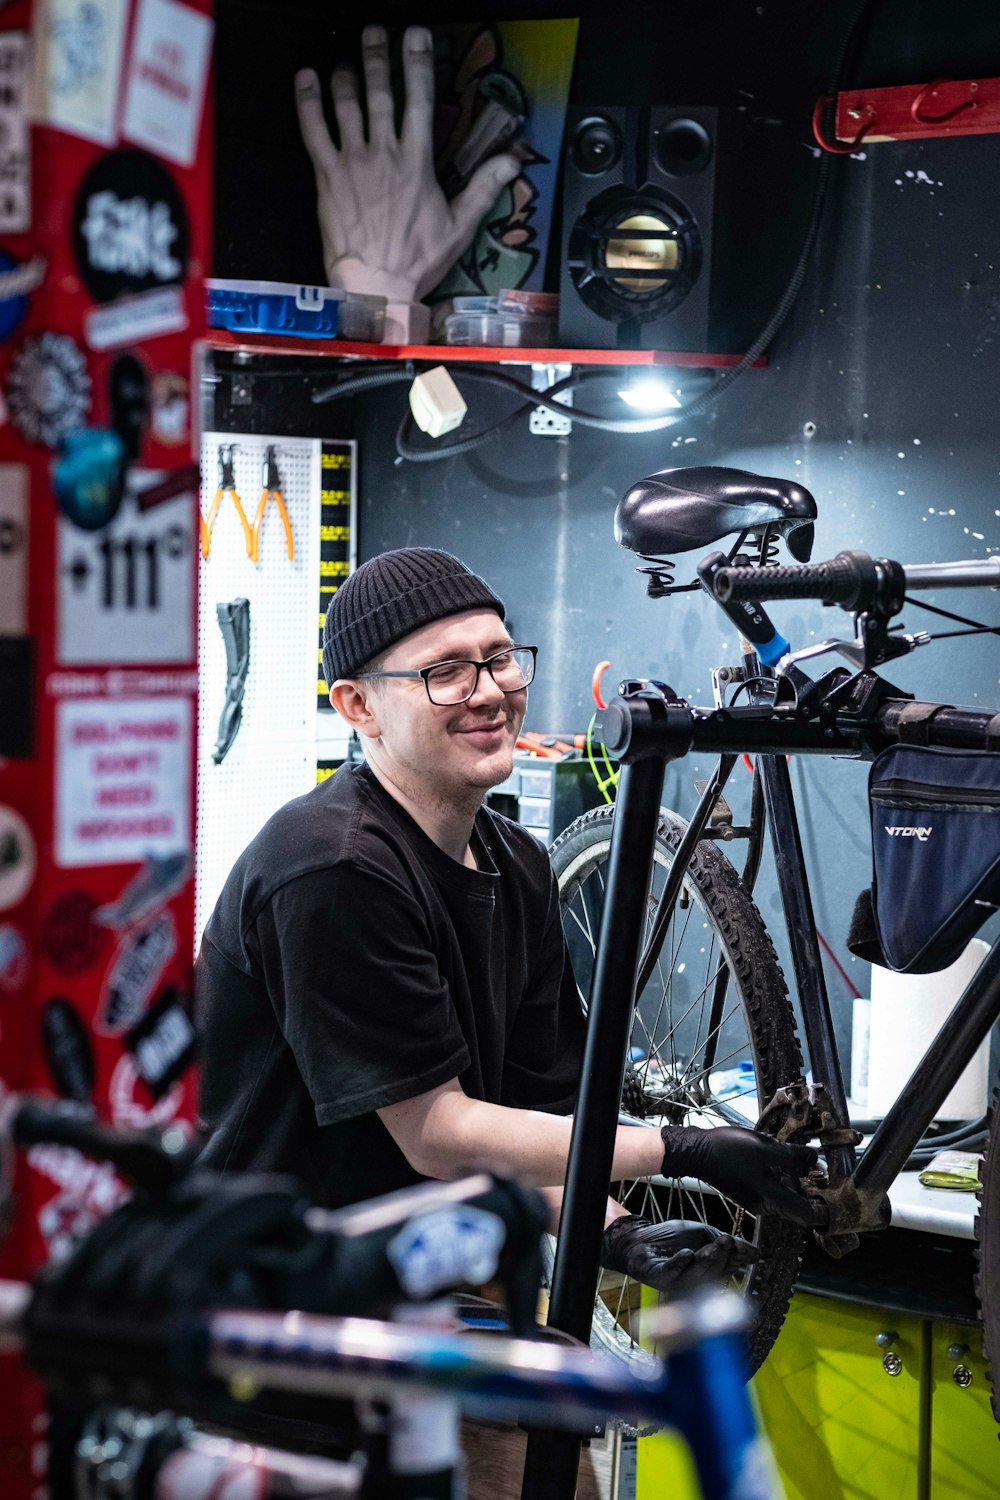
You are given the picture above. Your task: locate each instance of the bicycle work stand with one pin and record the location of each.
(552, 1458)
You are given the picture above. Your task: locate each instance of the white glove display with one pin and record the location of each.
(386, 226)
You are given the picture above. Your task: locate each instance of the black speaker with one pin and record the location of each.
(655, 220)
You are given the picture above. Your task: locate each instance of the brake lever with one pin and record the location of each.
(900, 643)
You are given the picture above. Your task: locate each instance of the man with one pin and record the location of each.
(383, 989)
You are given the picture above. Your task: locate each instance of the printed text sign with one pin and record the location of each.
(122, 779)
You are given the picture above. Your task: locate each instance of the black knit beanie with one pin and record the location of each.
(391, 595)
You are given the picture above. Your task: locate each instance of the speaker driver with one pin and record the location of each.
(634, 255)
(597, 145)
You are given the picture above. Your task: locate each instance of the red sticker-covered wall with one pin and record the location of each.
(105, 203)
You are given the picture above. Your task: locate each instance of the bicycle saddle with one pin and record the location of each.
(680, 510)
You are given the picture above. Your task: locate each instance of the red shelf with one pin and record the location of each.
(267, 343)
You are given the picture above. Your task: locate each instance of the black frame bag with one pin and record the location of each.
(935, 817)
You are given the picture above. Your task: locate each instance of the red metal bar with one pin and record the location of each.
(265, 343)
(940, 107)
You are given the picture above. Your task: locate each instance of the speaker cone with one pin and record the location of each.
(634, 254)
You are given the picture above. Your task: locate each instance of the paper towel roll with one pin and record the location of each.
(907, 1013)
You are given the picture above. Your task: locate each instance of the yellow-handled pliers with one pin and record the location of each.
(227, 486)
(271, 489)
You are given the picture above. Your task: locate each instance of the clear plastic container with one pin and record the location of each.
(473, 305)
(310, 312)
(499, 330)
(528, 304)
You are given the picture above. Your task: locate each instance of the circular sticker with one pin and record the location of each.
(17, 858)
(48, 388)
(69, 939)
(127, 1096)
(130, 229)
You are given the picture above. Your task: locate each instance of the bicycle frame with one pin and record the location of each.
(857, 1193)
(643, 730)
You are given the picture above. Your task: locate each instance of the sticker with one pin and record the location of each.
(88, 477)
(78, 47)
(152, 887)
(128, 403)
(132, 977)
(48, 388)
(130, 229)
(132, 683)
(123, 780)
(165, 86)
(127, 1109)
(17, 858)
(15, 159)
(69, 940)
(68, 1050)
(13, 549)
(164, 1043)
(17, 281)
(88, 1191)
(133, 320)
(15, 960)
(445, 1248)
(126, 592)
(170, 416)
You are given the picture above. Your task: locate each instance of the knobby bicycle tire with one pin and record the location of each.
(716, 926)
(988, 1252)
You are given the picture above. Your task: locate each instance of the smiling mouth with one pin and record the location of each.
(501, 724)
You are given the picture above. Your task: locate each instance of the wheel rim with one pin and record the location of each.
(675, 1033)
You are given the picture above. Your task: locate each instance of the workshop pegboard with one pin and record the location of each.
(273, 756)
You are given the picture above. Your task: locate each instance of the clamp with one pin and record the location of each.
(227, 486)
(271, 490)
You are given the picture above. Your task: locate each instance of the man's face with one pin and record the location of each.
(448, 750)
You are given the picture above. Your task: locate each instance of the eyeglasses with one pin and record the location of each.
(451, 682)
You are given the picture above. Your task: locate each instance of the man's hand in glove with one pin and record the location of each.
(676, 1257)
(386, 225)
(762, 1174)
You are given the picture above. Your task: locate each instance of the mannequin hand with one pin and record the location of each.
(762, 1174)
(386, 226)
(677, 1256)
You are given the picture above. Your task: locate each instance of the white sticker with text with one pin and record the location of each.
(126, 591)
(15, 159)
(131, 320)
(168, 70)
(123, 780)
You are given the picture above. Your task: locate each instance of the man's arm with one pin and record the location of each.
(443, 1133)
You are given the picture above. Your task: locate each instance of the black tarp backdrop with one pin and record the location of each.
(881, 395)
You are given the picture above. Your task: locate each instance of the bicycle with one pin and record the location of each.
(670, 952)
(202, 1292)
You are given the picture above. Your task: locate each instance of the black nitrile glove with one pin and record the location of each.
(677, 1257)
(760, 1173)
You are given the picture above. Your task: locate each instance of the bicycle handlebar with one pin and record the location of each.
(851, 579)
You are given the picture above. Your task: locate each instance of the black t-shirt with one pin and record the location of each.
(350, 964)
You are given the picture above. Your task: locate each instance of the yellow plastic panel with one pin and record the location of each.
(664, 1467)
(965, 1451)
(841, 1428)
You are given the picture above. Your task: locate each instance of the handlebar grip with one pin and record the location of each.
(836, 582)
(150, 1158)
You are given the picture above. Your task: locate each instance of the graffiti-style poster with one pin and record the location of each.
(501, 86)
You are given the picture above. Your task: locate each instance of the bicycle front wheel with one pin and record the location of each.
(713, 1037)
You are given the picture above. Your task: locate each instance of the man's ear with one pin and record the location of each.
(356, 705)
